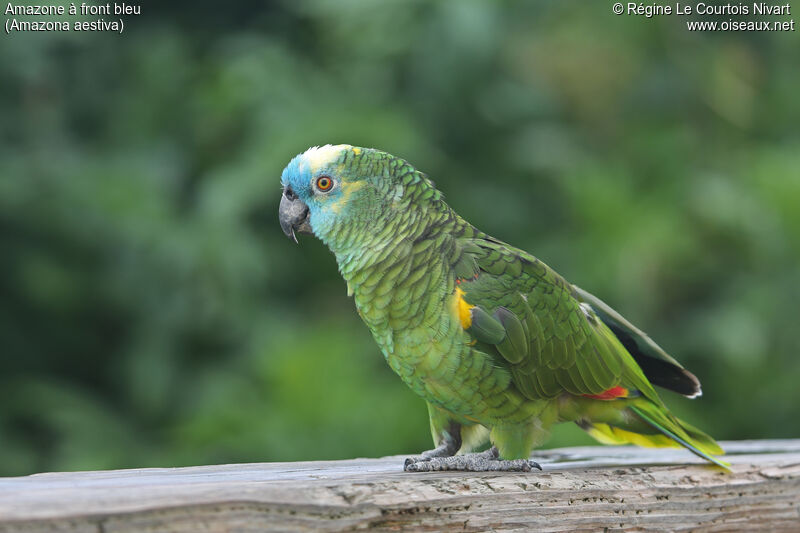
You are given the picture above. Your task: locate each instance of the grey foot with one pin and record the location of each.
(445, 449)
(471, 462)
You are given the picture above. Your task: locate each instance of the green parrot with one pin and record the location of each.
(498, 344)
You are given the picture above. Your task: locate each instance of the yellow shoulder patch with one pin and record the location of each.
(462, 308)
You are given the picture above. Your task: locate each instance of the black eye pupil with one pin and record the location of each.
(324, 183)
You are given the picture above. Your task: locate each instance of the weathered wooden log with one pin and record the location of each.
(590, 488)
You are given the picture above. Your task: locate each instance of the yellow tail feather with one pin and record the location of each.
(669, 431)
(613, 435)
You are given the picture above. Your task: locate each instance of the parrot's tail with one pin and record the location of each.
(669, 431)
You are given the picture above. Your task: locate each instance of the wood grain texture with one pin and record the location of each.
(610, 488)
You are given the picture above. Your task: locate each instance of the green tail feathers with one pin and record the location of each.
(684, 434)
(672, 432)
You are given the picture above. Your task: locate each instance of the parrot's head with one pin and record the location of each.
(336, 192)
(321, 191)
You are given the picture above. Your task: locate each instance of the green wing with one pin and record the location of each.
(536, 325)
(659, 367)
(555, 337)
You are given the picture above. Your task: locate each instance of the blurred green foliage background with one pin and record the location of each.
(152, 313)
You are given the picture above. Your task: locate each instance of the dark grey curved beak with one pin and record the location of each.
(293, 214)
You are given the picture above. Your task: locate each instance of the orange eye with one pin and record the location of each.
(324, 183)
